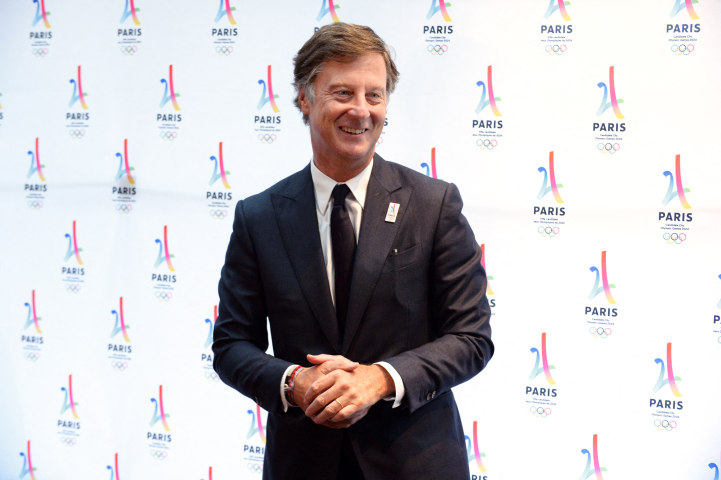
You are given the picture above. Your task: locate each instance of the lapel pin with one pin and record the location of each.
(392, 212)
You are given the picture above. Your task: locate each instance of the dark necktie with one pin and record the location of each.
(343, 239)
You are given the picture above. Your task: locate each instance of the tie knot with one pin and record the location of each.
(339, 193)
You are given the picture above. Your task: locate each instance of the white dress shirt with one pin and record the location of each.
(323, 186)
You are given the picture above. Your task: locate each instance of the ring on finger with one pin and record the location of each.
(341, 405)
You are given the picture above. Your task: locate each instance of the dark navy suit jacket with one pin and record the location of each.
(418, 301)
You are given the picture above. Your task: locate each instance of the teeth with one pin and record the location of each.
(351, 130)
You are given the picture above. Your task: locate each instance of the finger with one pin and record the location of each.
(331, 410)
(318, 387)
(345, 414)
(340, 362)
(344, 364)
(323, 399)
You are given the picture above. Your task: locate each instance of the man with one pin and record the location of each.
(353, 259)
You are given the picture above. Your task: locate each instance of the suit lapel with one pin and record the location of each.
(298, 224)
(375, 240)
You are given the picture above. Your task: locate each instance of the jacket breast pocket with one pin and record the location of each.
(399, 260)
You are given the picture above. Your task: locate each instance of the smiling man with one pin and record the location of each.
(371, 281)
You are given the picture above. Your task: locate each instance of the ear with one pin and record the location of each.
(303, 102)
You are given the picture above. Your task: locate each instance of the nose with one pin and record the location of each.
(359, 107)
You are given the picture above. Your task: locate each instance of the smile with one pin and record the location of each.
(353, 131)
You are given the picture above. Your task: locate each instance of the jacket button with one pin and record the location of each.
(433, 394)
(429, 396)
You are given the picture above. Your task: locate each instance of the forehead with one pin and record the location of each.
(369, 70)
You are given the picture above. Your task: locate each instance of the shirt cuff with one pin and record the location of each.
(397, 380)
(282, 386)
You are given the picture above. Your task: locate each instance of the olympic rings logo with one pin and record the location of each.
(556, 49)
(164, 296)
(540, 412)
(123, 208)
(600, 332)
(608, 147)
(211, 376)
(665, 425)
(437, 49)
(77, 134)
(487, 144)
(119, 366)
(266, 138)
(168, 135)
(32, 356)
(219, 214)
(35, 204)
(255, 467)
(548, 231)
(682, 49)
(40, 52)
(68, 441)
(72, 287)
(129, 50)
(224, 50)
(676, 238)
(159, 454)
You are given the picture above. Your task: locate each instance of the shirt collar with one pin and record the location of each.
(324, 185)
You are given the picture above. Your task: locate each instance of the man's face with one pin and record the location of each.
(347, 116)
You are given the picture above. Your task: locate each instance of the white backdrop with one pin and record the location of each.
(156, 243)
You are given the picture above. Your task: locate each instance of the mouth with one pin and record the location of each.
(354, 131)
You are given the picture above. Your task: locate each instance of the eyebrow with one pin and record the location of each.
(335, 86)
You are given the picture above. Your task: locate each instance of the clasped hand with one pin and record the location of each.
(337, 392)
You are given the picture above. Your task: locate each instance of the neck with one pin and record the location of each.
(342, 170)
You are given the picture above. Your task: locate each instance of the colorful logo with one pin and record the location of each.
(329, 9)
(605, 104)
(557, 5)
(437, 5)
(225, 9)
(41, 13)
(120, 323)
(163, 253)
(162, 416)
(483, 103)
(680, 5)
(542, 356)
(596, 468)
(554, 187)
(114, 473)
(124, 168)
(35, 165)
(431, 171)
(489, 290)
(680, 191)
(130, 11)
(222, 173)
(713, 466)
(669, 379)
(605, 287)
(268, 97)
(211, 324)
(173, 95)
(256, 425)
(27, 465)
(33, 316)
(73, 246)
(68, 402)
(476, 454)
(78, 93)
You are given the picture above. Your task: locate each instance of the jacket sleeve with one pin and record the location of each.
(240, 335)
(459, 312)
